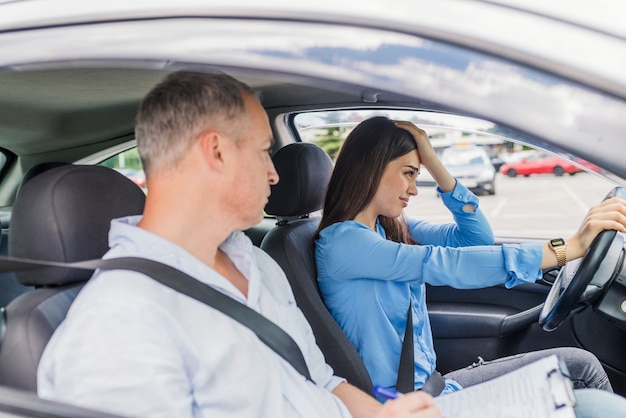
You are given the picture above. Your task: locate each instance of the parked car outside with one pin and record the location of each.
(471, 166)
(539, 163)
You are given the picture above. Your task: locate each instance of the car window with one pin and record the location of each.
(129, 164)
(3, 160)
(524, 192)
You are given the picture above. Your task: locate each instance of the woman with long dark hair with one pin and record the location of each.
(373, 263)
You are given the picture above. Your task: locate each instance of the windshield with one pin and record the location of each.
(519, 202)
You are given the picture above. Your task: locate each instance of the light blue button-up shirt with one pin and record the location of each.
(132, 346)
(367, 280)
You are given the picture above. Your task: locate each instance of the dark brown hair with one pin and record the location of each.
(358, 170)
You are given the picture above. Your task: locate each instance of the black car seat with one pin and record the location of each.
(10, 288)
(61, 215)
(304, 171)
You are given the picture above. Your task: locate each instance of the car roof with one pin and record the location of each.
(560, 29)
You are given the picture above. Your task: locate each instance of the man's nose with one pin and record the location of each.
(272, 174)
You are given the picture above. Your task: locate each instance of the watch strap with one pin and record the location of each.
(559, 246)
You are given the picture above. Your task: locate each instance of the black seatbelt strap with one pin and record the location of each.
(268, 332)
(405, 382)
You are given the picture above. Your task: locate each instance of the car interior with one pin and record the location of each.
(50, 223)
(96, 121)
(542, 76)
(305, 170)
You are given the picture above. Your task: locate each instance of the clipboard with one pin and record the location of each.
(538, 390)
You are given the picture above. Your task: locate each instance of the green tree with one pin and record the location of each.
(331, 141)
(128, 159)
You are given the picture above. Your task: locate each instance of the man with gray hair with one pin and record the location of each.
(132, 346)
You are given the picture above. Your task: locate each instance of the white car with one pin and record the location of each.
(472, 167)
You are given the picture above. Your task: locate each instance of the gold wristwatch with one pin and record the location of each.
(559, 246)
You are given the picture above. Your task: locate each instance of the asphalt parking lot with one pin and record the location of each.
(539, 206)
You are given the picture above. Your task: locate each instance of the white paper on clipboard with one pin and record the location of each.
(539, 390)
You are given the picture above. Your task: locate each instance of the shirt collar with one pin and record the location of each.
(126, 239)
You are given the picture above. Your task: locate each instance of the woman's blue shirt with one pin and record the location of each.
(366, 280)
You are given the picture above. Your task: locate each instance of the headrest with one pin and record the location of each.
(36, 170)
(64, 215)
(304, 170)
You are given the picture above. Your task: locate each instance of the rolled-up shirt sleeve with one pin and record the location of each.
(468, 228)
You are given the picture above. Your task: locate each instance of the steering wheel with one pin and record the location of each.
(582, 282)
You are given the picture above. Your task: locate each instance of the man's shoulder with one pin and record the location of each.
(117, 289)
(272, 276)
(268, 267)
(264, 260)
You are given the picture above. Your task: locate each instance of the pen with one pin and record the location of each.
(386, 393)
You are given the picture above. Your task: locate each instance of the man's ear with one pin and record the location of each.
(211, 145)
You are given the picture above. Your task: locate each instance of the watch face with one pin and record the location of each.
(557, 242)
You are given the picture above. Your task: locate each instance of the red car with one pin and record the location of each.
(539, 164)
